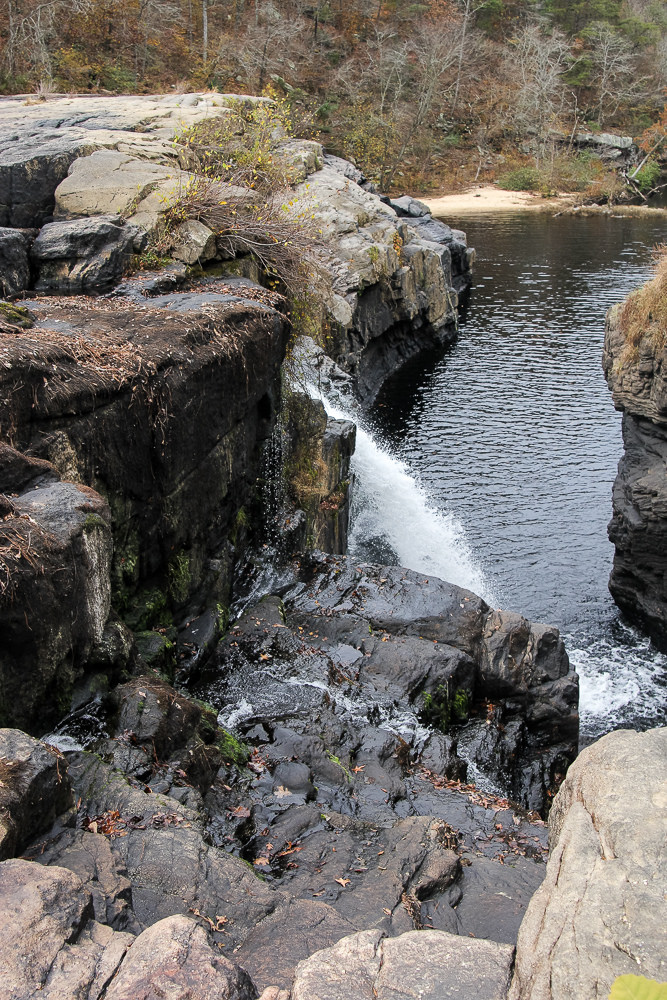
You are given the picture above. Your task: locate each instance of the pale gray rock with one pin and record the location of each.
(34, 789)
(42, 140)
(193, 243)
(429, 965)
(174, 959)
(109, 183)
(601, 911)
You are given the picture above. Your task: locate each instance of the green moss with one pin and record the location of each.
(148, 610)
(16, 315)
(233, 750)
(180, 577)
(221, 620)
(441, 710)
(92, 522)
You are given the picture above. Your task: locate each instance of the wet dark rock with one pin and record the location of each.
(90, 857)
(121, 414)
(160, 844)
(34, 790)
(296, 930)
(14, 262)
(54, 587)
(638, 529)
(83, 255)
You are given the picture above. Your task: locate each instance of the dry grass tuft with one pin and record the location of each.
(644, 313)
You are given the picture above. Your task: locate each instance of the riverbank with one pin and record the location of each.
(487, 198)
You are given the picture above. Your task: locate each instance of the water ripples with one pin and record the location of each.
(513, 434)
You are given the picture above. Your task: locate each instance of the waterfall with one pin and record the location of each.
(393, 520)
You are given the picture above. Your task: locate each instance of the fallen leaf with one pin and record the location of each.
(280, 792)
(240, 812)
(261, 861)
(342, 881)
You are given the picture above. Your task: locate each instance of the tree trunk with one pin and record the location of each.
(204, 17)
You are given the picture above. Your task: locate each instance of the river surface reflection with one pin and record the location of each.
(512, 432)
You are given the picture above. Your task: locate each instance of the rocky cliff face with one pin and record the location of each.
(637, 378)
(160, 405)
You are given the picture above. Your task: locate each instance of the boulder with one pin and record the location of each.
(194, 243)
(55, 590)
(83, 255)
(602, 910)
(49, 945)
(109, 183)
(34, 789)
(174, 959)
(424, 965)
(14, 262)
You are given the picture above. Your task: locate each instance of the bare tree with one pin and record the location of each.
(541, 60)
(468, 10)
(616, 74)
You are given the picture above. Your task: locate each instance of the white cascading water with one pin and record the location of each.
(391, 510)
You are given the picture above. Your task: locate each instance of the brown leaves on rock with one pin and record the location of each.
(112, 825)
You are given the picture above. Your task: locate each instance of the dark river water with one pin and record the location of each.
(491, 464)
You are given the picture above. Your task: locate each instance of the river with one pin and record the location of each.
(491, 463)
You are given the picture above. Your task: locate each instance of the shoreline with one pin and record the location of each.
(488, 198)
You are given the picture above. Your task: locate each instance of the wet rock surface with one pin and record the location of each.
(638, 528)
(55, 591)
(162, 404)
(34, 790)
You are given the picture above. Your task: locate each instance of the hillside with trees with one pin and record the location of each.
(422, 96)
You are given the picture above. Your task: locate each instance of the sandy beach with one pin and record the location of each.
(492, 199)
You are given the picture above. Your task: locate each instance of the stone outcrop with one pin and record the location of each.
(84, 255)
(41, 142)
(55, 587)
(161, 404)
(638, 528)
(395, 273)
(601, 910)
(34, 790)
(396, 278)
(52, 947)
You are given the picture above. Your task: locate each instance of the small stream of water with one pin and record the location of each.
(491, 464)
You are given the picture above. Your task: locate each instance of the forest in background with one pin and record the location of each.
(421, 96)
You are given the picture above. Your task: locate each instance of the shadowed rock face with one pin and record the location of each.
(162, 406)
(55, 594)
(638, 528)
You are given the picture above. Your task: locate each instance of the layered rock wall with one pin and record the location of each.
(638, 382)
